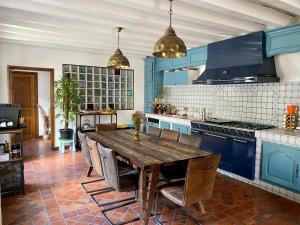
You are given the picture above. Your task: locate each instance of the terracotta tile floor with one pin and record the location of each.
(54, 196)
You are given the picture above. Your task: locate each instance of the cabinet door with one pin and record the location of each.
(165, 125)
(148, 70)
(176, 78)
(243, 158)
(163, 64)
(181, 128)
(280, 165)
(181, 62)
(197, 56)
(218, 144)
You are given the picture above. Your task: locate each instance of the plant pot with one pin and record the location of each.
(45, 137)
(66, 134)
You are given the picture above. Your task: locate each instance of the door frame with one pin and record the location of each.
(11, 68)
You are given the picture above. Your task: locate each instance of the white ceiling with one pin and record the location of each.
(87, 25)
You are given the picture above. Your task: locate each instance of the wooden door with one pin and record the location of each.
(24, 92)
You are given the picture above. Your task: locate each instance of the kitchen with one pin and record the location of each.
(182, 112)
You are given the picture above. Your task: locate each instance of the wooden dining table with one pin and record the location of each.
(148, 155)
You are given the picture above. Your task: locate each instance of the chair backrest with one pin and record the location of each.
(95, 156)
(153, 131)
(170, 134)
(84, 148)
(190, 140)
(106, 126)
(200, 177)
(110, 166)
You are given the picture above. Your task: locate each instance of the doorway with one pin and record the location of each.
(24, 93)
(19, 92)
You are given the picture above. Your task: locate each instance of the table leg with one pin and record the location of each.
(147, 192)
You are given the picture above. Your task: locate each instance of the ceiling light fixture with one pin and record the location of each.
(118, 60)
(169, 45)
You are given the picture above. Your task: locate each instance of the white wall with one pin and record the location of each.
(23, 55)
(288, 66)
(43, 97)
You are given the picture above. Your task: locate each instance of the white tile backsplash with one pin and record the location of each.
(260, 103)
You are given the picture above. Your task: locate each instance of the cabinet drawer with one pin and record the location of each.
(165, 125)
(152, 124)
(181, 128)
(280, 165)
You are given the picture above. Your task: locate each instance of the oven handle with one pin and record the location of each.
(242, 141)
(214, 135)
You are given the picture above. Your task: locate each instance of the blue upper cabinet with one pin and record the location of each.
(280, 165)
(176, 78)
(178, 63)
(149, 69)
(283, 40)
(163, 64)
(197, 56)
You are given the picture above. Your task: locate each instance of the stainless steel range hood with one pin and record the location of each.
(238, 60)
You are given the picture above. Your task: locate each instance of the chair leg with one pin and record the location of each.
(89, 182)
(186, 213)
(201, 205)
(89, 171)
(119, 206)
(114, 201)
(156, 220)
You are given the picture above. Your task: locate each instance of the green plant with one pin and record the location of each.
(137, 118)
(67, 99)
(161, 94)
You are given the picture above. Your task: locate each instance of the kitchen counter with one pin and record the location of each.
(279, 136)
(186, 120)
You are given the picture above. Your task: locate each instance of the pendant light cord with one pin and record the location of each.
(118, 38)
(170, 12)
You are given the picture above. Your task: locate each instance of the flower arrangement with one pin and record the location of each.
(137, 118)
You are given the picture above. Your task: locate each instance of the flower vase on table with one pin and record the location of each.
(137, 119)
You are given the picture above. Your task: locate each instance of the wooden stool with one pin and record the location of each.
(70, 142)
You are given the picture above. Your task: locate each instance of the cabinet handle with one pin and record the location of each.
(237, 140)
(214, 135)
(297, 171)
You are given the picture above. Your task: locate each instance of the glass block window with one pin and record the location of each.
(101, 87)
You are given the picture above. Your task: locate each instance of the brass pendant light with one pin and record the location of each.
(118, 60)
(169, 45)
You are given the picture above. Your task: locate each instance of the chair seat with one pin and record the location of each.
(175, 193)
(129, 181)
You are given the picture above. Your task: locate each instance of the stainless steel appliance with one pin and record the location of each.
(235, 140)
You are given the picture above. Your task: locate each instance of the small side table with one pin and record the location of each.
(63, 142)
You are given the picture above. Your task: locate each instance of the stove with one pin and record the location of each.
(230, 128)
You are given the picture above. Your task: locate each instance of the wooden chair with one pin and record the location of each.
(198, 184)
(153, 131)
(127, 182)
(190, 140)
(106, 126)
(170, 134)
(85, 152)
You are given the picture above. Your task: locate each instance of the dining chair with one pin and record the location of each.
(85, 152)
(127, 182)
(170, 134)
(197, 186)
(106, 126)
(97, 164)
(154, 131)
(190, 140)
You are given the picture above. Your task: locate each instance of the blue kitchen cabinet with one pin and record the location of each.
(218, 144)
(165, 125)
(280, 165)
(197, 56)
(181, 62)
(163, 64)
(243, 158)
(181, 128)
(283, 40)
(176, 78)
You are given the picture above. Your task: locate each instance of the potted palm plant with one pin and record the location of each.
(68, 100)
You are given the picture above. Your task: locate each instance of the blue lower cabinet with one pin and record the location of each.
(165, 125)
(280, 165)
(181, 128)
(151, 124)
